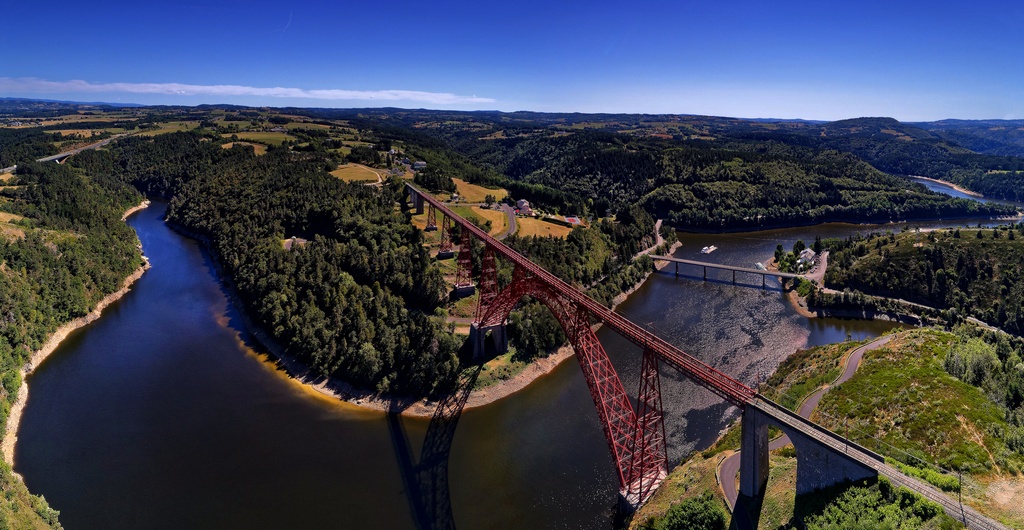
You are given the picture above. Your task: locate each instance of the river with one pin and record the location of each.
(161, 415)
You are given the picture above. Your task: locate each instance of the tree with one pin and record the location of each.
(489, 200)
(695, 513)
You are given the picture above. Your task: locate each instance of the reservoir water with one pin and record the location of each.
(160, 415)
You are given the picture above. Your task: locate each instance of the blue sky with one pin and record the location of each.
(813, 60)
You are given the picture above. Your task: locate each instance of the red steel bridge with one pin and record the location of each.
(636, 436)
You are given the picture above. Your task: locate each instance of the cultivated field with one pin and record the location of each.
(358, 173)
(302, 125)
(259, 148)
(473, 193)
(498, 219)
(88, 132)
(269, 138)
(241, 124)
(528, 226)
(173, 126)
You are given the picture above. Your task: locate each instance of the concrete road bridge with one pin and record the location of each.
(734, 269)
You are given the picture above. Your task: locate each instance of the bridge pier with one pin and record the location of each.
(478, 336)
(417, 201)
(818, 464)
(753, 453)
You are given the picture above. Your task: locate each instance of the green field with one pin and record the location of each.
(269, 138)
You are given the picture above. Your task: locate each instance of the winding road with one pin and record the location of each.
(730, 467)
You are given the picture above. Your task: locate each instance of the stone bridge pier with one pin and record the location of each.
(823, 459)
(417, 201)
(480, 335)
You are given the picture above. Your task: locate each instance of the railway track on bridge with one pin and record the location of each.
(635, 436)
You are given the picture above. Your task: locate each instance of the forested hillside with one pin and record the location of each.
(974, 272)
(903, 149)
(24, 145)
(748, 180)
(356, 302)
(63, 247)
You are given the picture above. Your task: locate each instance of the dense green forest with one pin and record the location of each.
(66, 251)
(356, 302)
(736, 182)
(24, 145)
(970, 272)
(904, 150)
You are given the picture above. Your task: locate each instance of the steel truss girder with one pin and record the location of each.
(446, 235)
(650, 457)
(464, 265)
(431, 218)
(637, 441)
(488, 282)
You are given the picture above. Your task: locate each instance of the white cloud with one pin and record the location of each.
(34, 85)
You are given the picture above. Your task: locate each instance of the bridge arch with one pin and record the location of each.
(637, 440)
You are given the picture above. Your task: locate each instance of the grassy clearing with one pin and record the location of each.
(269, 138)
(473, 193)
(241, 124)
(528, 226)
(805, 371)
(260, 149)
(902, 395)
(8, 217)
(11, 232)
(359, 173)
(498, 219)
(170, 127)
(302, 125)
(500, 368)
(691, 479)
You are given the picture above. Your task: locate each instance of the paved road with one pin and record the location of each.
(511, 228)
(658, 241)
(101, 143)
(730, 467)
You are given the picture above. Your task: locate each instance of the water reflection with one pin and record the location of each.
(426, 483)
(157, 406)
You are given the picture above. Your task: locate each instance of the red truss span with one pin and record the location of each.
(636, 437)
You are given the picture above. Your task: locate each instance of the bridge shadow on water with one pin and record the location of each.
(426, 482)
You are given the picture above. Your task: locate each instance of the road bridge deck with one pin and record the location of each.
(734, 268)
(867, 458)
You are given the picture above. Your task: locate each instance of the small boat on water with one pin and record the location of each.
(708, 250)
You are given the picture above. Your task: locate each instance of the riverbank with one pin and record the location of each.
(299, 371)
(817, 277)
(14, 418)
(956, 187)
